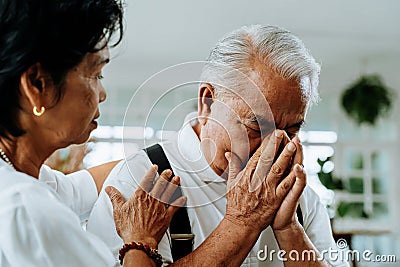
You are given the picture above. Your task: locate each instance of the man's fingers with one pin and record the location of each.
(301, 181)
(281, 145)
(117, 200)
(292, 186)
(147, 182)
(286, 138)
(280, 166)
(161, 183)
(298, 156)
(285, 186)
(296, 139)
(266, 158)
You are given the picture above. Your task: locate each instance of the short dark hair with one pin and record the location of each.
(55, 33)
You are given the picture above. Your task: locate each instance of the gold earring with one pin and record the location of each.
(38, 113)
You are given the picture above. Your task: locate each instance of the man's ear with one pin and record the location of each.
(34, 86)
(206, 98)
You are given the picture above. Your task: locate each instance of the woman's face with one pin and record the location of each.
(73, 118)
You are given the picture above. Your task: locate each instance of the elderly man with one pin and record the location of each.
(256, 79)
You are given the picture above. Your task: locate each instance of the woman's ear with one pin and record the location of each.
(34, 83)
(206, 98)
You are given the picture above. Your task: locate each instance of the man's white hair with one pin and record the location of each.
(274, 47)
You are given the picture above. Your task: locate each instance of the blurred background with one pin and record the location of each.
(351, 137)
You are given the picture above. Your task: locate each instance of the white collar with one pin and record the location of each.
(189, 145)
(7, 166)
(4, 164)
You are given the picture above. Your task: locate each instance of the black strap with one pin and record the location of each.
(180, 223)
(299, 215)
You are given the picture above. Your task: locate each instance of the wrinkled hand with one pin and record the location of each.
(256, 193)
(145, 216)
(286, 214)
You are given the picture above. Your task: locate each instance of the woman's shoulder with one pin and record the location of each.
(33, 218)
(26, 203)
(11, 179)
(21, 191)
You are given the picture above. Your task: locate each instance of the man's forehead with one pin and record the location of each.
(285, 109)
(253, 98)
(253, 109)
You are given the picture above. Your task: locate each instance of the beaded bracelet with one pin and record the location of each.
(150, 252)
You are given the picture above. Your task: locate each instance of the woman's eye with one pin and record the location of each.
(99, 77)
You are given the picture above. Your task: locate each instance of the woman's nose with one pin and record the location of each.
(103, 95)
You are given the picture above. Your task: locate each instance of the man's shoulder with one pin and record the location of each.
(130, 164)
(139, 162)
(311, 206)
(309, 195)
(129, 171)
(309, 200)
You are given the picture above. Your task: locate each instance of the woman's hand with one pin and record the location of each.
(145, 216)
(256, 194)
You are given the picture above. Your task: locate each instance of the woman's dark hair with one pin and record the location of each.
(55, 33)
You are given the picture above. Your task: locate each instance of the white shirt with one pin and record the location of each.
(205, 191)
(40, 220)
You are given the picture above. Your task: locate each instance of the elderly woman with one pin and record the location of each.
(52, 55)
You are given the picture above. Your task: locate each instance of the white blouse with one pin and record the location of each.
(40, 220)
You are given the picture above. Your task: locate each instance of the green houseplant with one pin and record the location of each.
(367, 99)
